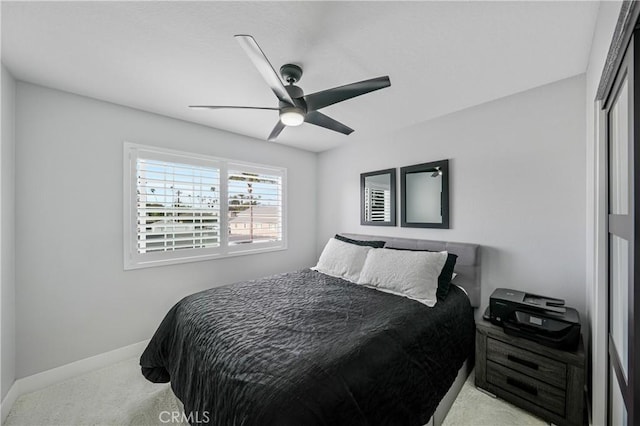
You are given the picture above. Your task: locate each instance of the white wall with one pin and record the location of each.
(74, 299)
(517, 168)
(596, 290)
(7, 225)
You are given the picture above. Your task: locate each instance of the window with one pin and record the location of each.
(182, 207)
(254, 208)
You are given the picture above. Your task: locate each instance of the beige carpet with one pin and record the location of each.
(118, 395)
(475, 408)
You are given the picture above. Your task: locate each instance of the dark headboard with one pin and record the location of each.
(467, 265)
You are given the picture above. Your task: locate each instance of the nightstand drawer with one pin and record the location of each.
(529, 363)
(540, 393)
(545, 381)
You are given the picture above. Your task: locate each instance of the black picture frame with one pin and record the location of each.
(392, 198)
(441, 167)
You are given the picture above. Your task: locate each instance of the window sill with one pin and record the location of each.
(130, 264)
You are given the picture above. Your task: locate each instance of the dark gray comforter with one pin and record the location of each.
(304, 348)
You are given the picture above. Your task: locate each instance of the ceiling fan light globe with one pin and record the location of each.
(291, 116)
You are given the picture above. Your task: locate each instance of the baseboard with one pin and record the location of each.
(65, 372)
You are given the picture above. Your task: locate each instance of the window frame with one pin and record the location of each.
(135, 260)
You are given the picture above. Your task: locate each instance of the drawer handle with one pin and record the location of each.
(524, 362)
(522, 386)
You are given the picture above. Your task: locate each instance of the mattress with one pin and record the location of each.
(304, 348)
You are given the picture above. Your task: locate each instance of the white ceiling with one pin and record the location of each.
(162, 56)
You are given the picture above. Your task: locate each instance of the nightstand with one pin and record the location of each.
(544, 381)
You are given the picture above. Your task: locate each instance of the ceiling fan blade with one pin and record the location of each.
(319, 119)
(228, 106)
(263, 65)
(318, 100)
(276, 131)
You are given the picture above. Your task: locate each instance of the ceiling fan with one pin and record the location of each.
(295, 107)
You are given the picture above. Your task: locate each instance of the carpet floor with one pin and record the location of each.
(119, 395)
(475, 408)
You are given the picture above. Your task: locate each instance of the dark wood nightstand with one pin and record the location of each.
(545, 381)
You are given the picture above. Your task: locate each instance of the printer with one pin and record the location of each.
(543, 319)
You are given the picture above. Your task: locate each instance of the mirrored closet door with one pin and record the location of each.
(623, 294)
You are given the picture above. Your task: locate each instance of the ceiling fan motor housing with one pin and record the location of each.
(293, 115)
(294, 91)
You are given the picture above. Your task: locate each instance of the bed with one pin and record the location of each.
(305, 348)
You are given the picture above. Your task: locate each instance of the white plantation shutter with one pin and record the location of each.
(182, 207)
(178, 206)
(377, 205)
(380, 205)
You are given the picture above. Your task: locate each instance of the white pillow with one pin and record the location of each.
(412, 274)
(342, 260)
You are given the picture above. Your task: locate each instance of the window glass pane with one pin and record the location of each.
(616, 402)
(255, 207)
(618, 303)
(618, 155)
(178, 206)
